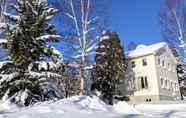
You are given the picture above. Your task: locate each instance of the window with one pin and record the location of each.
(161, 81)
(177, 87)
(172, 85)
(159, 61)
(133, 64)
(169, 67)
(144, 61)
(144, 82)
(132, 84)
(166, 83)
(163, 63)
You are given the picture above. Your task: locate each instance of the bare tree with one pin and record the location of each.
(84, 25)
(173, 22)
(3, 8)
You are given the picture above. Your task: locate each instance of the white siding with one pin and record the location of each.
(148, 71)
(168, 74)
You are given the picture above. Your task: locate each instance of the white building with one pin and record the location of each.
(152, 73)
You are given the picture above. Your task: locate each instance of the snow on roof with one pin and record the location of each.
(142, 50)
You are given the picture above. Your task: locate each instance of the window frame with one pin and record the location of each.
(133, 64)
(159, 61)
(144, 62)
(143, 82)
(163, 63)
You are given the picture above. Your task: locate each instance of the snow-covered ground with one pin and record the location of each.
(86, 107)
(164, 110)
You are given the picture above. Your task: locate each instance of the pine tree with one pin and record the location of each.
(28, 34)
(108, 71)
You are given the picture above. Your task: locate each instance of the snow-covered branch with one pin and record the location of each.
(13, 17)
(92, 20)
(48, 36)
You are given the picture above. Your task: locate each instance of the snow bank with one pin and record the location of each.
(92, 103)
(87, 102)
(74, 107)
(125, 108)
(7, 107)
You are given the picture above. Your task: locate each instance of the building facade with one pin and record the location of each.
(152, 74)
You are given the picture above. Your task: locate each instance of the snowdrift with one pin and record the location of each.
(125, 108)
(7, 107)
(74, 107)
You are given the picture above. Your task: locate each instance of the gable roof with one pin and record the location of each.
(142, 50)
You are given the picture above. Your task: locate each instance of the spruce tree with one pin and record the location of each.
(109, 68)
(28, 34)
(27, 39)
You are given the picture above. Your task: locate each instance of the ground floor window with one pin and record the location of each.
(142, 83)
(162, 82)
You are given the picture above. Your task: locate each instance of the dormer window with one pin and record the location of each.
(144, 61)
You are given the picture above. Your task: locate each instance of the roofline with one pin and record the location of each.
(141, 56)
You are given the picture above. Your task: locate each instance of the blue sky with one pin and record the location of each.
(136, 20)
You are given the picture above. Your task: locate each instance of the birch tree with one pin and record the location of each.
(3, 8)
(85, 24)
(173, 22)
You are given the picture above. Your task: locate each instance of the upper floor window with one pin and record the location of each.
(133, 64)
(163, 63)
(144, 61)
(159, 61)
(169, 67)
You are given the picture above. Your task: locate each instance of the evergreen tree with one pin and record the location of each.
(108, 71)
(27, 41)
(181, 71)
(27, 36)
